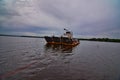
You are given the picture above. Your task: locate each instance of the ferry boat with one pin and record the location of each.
(65, 39)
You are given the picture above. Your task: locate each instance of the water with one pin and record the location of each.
(32, 59)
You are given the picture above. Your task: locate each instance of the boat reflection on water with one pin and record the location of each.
(58, 48)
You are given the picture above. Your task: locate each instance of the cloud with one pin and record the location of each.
(83, 17)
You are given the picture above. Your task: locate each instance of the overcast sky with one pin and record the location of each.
(86, 18)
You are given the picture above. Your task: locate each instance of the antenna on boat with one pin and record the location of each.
(66, 30)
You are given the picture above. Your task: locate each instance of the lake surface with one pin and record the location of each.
(32, 59)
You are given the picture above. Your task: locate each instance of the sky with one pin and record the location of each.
(85, 18)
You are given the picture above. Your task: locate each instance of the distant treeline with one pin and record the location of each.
(21, 36)
(91, 39)
(33, 36)
(101, 39)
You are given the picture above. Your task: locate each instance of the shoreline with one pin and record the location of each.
(101, 39)
(90, 39)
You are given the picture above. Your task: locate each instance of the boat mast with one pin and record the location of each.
(68, 33)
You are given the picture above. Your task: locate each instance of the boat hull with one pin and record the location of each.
(61, 40)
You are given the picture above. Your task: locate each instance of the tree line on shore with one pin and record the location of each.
(101, 39)
(90, 39)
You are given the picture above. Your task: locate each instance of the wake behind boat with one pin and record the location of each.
(66, 39)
